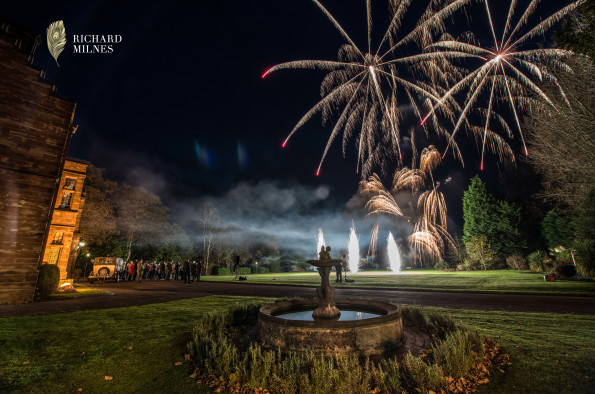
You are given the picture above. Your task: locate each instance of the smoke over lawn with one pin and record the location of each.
(289, 215)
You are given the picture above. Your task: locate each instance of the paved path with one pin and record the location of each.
(148, 292)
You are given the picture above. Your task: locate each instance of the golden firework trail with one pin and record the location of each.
(511, 70)
(366, 84)
(373, 242)
(430, 236)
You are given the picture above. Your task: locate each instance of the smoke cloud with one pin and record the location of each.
(289, 215)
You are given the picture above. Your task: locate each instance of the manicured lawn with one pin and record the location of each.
(45, 353)
(501, 281)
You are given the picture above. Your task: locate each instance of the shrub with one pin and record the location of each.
(48, 280)
(479, 250)
(517, 262)
(563, 257)
(536, 261)
(260, 270)
(441, 265)
(274, 266)
(214, 348)
(565, 271)
(456, 352)
(223, 271)
(427, 377)
(585, 257)
(470, 265)
(244, 270)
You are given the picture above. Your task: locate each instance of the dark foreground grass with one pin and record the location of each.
(552, 353)
(500, 281)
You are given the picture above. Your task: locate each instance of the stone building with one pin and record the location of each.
(63, 239)
(35, 131)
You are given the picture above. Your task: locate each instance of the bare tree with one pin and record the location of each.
(141, 216)
(98, 220)
(562, 143)
(208, 223)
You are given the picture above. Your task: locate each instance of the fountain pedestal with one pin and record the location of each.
(327, 309)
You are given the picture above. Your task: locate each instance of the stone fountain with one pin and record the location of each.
(327, 309)
(365, 327)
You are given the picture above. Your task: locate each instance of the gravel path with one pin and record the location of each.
(148, 292)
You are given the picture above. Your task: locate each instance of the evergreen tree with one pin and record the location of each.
(556, 230)
(477, 203)
(497, 220)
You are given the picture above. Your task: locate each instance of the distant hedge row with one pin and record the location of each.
(243, 270)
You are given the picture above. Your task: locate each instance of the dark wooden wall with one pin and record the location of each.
(35, 130)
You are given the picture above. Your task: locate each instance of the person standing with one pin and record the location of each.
(130, 270)
(339, 272)
(162, 270)
(186, 271)
(177, 271)
(236, 265)
(199, 269)
(139, 271)
(193, 268)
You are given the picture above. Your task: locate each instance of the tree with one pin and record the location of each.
(584, 218)
(208, 224)
(562, 147)
(557, 230)
(497, 220)
(457, 254)
(505, 232)
(98, 220)
(141, 217)
(480, 250)
(478, 204)
(578, 31)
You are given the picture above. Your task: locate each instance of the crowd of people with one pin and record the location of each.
(189, 271)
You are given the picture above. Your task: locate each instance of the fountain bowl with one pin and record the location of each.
(371, 336)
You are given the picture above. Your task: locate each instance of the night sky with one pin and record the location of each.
(180, 107)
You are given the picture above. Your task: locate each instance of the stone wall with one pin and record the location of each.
(35, 130)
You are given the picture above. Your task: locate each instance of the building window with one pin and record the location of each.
(54, 255)
(66, 200)
(58, 236)
(69, 183)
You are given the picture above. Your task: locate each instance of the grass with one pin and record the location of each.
(81, 291)
(45, 353)
(501, 281)
(552, 353)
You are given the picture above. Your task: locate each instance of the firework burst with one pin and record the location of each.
(510, 71)
(430, 236)
(369, 87)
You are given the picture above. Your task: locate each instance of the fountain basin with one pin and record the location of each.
(366, 337)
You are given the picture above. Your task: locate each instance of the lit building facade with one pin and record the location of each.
(63, 239)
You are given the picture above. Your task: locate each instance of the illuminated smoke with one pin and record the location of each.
(353, 250)
(394, 257)
(320, 242)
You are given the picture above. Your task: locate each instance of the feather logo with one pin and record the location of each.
(56, 37)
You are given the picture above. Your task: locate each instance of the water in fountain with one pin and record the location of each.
(353, 251)
(394, 257)
(320, 243)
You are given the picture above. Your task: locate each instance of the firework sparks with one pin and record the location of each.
(366, 83)
(373, 242)
(509, 71)
(430, 236)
